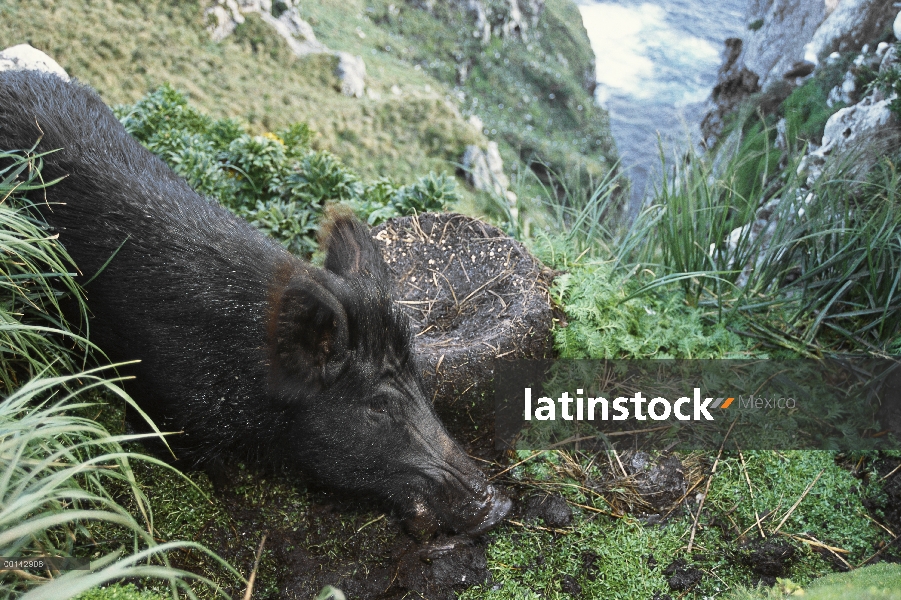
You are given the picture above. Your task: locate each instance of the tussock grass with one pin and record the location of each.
(741, 236)
(64, 479)
(35, 277)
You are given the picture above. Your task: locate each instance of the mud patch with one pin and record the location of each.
(442, 567)
(473, 293)
(649, 487)
(768, 559)
(682, 576)
(550, 508)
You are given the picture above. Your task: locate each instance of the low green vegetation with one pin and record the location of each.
(275, 180)
(876, 582)
(610, 554)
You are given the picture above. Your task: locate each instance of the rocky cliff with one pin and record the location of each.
(786, 41)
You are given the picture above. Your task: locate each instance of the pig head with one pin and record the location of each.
(340, 352)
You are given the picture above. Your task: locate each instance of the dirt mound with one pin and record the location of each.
(768, 559)
(682, 576)
(551, 508)
(473, 293)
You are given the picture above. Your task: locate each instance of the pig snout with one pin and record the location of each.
(463, 500)
(488, 513)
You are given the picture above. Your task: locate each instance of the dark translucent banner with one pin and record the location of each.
(841, 404)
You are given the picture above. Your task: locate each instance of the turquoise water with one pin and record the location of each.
(657, 62)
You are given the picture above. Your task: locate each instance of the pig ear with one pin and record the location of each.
(350, 250)
(310, 338)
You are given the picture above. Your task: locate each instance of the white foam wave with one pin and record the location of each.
(641, 54)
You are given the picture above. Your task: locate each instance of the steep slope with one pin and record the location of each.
(525, 75)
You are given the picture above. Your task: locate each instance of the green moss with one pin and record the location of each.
(120, 592)
(875, 582)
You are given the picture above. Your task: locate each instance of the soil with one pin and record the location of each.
(550, 508)
(682, 576)
(473, 294)
(768, 559)
(883, 501)
(650, 488)
(329, 540)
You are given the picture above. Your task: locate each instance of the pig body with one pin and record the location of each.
(251, 352)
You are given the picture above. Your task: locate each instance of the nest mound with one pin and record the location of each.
(473, 294)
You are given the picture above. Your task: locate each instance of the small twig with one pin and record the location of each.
(511, 467)
(815, 542)
(744, 468)
(518, 524)
(375, 520)
(892, 472)
(883, 527)
(597, 510)
(619, 462)
(28, 576)
(798, 502)
(694, 526)
(253, 574)
(757, 523)
(682, 499)
(880, 551)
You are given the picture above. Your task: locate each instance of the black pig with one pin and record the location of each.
(249, 351)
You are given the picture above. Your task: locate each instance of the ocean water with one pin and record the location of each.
(657, 61)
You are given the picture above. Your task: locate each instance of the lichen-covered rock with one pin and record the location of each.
(794, 32)
(514, 20)
(352, 73)
(473, 294)
(27, 58)
(485, 172)
(296, 32)
(865, 129)
(852, 24)
(788, 25)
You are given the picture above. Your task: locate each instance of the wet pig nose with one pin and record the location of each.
(491, 512)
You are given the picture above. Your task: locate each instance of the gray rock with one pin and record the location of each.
(863, 131)
(485, 172)
(889, 59)
(803, 30)
(852, 24)
(514, 21)
(787, 27)
(221, 22)
(226, 15)
(352, 72)
(26, 58)
(296, 32)
(845, 92)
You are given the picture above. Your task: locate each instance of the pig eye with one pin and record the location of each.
(378, 405)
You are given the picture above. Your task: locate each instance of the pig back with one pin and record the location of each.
(171, 279)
